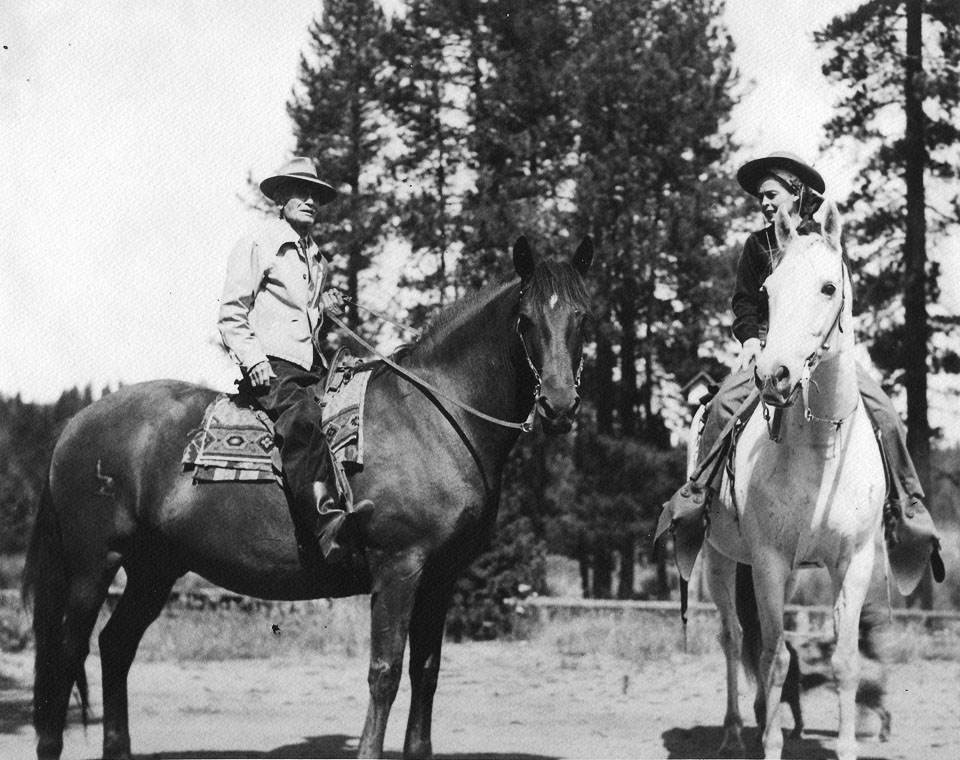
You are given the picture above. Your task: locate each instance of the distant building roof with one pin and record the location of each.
(697, 386)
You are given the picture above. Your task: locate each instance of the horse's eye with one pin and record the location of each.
(524, 323)
(829, 289)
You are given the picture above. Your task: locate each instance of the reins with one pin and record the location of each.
(383, 317)
(526, 426)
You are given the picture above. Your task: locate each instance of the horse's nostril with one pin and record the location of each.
(547, 409)
(782, 374)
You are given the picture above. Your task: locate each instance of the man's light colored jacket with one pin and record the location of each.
(269, 302)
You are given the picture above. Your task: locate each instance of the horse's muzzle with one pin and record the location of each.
(777, 393)
(557, 421)
(777, 390)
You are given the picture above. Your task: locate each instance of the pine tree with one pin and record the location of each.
(426, 95)
(337, 118)
(655, 83)
(899, 64)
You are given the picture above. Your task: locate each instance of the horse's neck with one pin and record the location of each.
(474, 354)
(833, 393)
(836, 378)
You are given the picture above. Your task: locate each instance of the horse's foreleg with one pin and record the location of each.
(769, 580)
(721, 576)
(391, 605)
(142, 601)
(846, 659)
(426, 640)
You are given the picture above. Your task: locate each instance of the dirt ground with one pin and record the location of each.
(495, 701)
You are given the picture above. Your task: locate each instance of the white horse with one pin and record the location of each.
(814, 497)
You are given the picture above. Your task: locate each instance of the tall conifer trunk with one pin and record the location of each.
(916, 326)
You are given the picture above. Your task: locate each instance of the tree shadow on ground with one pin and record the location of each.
(700, 742)
(329, 746)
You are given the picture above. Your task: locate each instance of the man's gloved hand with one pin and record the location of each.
(261, 374)
(748, 354)
(332, 300)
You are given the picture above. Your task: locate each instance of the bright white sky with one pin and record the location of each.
(127, 130)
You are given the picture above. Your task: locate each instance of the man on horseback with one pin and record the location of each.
(273, 302)
(776, 180)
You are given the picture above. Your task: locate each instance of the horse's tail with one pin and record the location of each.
(746, 598)
(45, 586)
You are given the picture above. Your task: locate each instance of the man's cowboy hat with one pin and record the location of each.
(302, 171)
(750, 174)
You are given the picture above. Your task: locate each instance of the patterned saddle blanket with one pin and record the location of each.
(235, 439)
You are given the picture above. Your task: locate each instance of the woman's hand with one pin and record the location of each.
(332, 300)
(261, 374)
(748, 354)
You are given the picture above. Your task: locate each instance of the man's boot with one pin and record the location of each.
(331, 519)
(912, 541)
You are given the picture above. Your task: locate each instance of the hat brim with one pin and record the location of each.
(319, 189)
(750, 174)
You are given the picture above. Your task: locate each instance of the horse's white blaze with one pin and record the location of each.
(553, 300)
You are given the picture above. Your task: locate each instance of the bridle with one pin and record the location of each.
(809, 364)
(535, 371)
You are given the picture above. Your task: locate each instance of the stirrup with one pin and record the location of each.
(686, 517)
(912, 541)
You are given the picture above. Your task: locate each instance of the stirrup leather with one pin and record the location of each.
(686, 515)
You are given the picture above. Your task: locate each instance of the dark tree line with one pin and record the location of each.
(28, 433)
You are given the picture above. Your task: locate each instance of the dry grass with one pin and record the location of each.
(630, 636)
(337, 626)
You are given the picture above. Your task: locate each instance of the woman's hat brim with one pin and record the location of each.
(750, 174)
(319, 189)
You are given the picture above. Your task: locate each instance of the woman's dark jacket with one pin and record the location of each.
(756, 262)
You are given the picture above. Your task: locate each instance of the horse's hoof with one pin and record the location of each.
(732, 748)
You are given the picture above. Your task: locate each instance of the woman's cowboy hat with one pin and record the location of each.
(750, 174)
(302, 171)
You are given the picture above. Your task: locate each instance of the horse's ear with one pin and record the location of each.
(832, 226)
(523, 259)
(784, 227)
(583, 256)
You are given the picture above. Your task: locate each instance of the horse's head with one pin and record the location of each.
(809, 307)
(554, 308)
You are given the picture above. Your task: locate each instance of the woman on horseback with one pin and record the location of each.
(776, 180)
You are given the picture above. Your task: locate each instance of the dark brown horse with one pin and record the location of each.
(116, 497)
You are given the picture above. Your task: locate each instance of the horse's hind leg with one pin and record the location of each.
(426, 640)
(59, 662)
(142, 601)
(721, 581)
(391, 605)
(791, 692)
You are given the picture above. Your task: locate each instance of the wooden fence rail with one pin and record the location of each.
(801, 621)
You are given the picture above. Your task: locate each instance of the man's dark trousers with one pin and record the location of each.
(290, 402)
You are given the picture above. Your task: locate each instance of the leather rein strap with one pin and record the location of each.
(526, 426)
